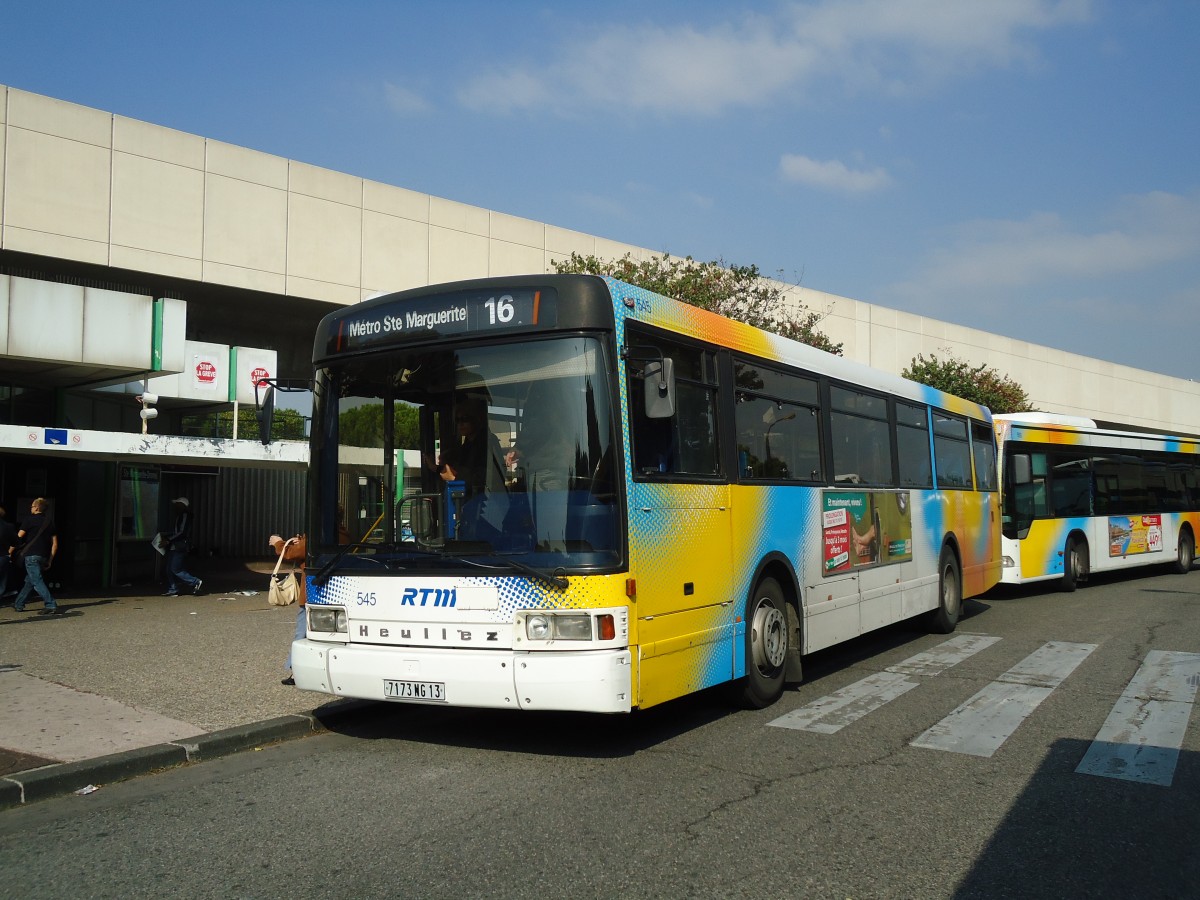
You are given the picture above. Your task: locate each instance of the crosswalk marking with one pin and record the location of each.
(949, 653)
(830, 714)
(1141, 738)
(980, 725)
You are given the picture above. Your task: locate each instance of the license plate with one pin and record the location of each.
(431, 691)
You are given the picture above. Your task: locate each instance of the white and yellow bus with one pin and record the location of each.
(622, 499)
(1080, 498)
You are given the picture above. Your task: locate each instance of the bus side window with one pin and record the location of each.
(684, 444)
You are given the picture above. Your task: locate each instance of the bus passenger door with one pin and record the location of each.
(679, 520)
(681, 560)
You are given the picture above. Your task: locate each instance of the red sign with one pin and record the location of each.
(259, 376)
(206, 372)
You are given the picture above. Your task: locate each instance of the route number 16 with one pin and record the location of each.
(500, 309)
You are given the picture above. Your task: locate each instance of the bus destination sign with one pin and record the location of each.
(441, 315)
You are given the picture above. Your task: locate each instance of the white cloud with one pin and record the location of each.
(403, 100)
(831, 175)
(1144, 232)
(1085, 289)
(887, 45)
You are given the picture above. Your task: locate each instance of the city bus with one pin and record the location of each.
(1081, 498)
(621, 499)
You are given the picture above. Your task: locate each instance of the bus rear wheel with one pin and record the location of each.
(767, 636)
(944, 619)
(1186, 554)
(1075, 565)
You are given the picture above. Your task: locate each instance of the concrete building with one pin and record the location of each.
(136, 258)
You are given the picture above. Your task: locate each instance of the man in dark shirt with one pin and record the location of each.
(41, 546)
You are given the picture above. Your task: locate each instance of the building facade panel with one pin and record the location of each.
(564, 242)
(396, 201)
(325, 184)
(515, 230)
(249, 279)
(45, 320)
(395, 253)
(454, 254)
(189, 267)
(117, 328)
(3, 154)
(245, 225)
(4, 294)
(49, 116)
(606, 249)
(247, 165)
(514, 259)
(294, 286)
(56, 185)
(450, 215)
(157, 206)
(167, 145)
(324, 241)
(55, 246)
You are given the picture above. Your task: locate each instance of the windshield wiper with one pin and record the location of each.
(553, 579)
(326, 570)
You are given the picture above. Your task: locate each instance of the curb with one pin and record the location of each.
(21, 788)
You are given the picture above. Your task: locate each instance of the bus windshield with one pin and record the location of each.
(511, 456)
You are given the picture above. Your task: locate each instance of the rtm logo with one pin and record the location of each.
(429, 597)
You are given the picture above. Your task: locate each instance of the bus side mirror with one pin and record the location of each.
(1022, 469)
(658, 381)
(265, 413)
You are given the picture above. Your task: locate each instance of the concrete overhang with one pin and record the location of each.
(113, 446)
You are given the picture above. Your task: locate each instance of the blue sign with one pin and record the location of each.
(57, 436)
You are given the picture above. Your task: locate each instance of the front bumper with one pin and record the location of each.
(581, 681)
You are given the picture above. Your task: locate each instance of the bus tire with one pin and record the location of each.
(1075, 563)
(767, 637)
(944, 619)
(1186, 553)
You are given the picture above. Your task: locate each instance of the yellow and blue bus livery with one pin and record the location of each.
(668, 500)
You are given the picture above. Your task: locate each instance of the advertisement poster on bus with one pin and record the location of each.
(862, 528)
(1130, 535)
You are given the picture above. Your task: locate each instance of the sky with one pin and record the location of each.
(1027, 167)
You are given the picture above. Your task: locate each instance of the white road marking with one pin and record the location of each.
(980, 725)
(1141, 738)
(834, 712)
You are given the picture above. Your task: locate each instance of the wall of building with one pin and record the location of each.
(87, 186)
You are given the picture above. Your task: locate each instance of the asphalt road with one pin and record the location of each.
(695, 799)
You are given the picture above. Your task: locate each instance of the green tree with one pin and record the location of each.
(287, 424)
(981, 383)
(737, 292)
(362, 426)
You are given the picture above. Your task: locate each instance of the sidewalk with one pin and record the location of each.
(124, 683)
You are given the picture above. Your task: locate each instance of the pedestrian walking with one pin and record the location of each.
(39, 549)
(179, 544)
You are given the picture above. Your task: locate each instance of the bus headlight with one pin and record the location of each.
(540, 627)
(330, 621)
(537, 628)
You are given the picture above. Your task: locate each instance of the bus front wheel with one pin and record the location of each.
(1075, 565)
(944, 619)
(766, 645)
(1186, 554)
